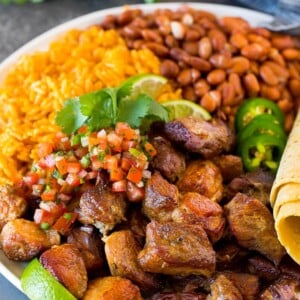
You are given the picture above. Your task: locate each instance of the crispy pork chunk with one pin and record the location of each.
(178, 296)
(12, 206)
(177, 249)
(101, 207)
(252, 224)
(208, 138)
(283, 288)
(247, 284)
(168, 161)
(66, 264)
(112, 288)
(197, 209)
(256, 184)
(161, 198)
(231, 166)
(223, 288)
(263, 268)
(121, 250)
(22, 240)
(90, 245)
(203, 177)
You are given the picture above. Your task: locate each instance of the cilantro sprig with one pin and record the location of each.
(106, 107)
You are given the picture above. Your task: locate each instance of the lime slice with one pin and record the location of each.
(149, 84)
(184, 108)
(37, 283)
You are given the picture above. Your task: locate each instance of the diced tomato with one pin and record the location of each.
(125, 163)
(114, 141)
(31, 178)
(125, 131)
(56, 209)
(66, 188)
(81, 152)
(116, 174)
(43, 216)
(82, 129)
(44, 149)
(96, 163)
(62, 165)
(134, 193)
(93, 140)
(64, 144)
(73, 179)
(110, 162)
(126, 145)
(149, 148)
(74, 167)
(65, 222)
(119, 186)
(49, 195)
(135, 175)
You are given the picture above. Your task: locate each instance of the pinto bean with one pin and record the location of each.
(190, 47)
(205, 48)
(188, 76)
(235, 80)
(216, 76)
(254, 51)
(270, 92)
(251, 83)
(294, 85)
(228, 94)
(211, 100)
(201, 87)
(268, 76)
(169, 68)
(240, 65)
(198, 63)
(238, 40)
(218, 39)
(221, 61)
(152, 35)
(157, 48)
(283, 42)
(291, 54)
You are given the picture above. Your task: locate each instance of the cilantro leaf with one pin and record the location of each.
(106, 107)
(134, 111)
(70, 117)
(98, 106)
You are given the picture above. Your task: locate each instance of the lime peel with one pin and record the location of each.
(37, 283)
(183, 108)
(149, 84)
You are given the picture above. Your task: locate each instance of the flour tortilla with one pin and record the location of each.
(285, 195)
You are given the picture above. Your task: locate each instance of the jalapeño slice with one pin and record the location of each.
(254, 107)
(262, 124)
(261, 151)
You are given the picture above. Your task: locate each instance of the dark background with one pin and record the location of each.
(20, 23)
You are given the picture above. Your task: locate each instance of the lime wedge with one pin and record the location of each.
(37, 283)
(149, 84)
(184, 108)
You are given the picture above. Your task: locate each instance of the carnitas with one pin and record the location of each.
(201, 230)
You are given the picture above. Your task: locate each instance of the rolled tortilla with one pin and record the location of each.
(285, 195)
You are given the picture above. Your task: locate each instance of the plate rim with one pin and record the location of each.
(84, 21)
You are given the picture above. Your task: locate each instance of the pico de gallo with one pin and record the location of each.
(70, 162)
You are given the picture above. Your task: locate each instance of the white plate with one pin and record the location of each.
(12, 270)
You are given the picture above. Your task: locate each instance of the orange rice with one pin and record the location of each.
(79, 62)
